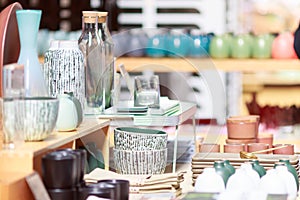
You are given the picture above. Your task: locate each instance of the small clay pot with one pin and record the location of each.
(266, 138)
(234, 148)
(242, 127)
(257, 147)
(209, 147)
(288, 150)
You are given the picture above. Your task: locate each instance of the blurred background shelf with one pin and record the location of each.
(138, 64)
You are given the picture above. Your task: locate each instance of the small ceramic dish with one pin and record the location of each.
(252, 147)
(288, 150)
(266, 138)
(209, 147)
(234, 148)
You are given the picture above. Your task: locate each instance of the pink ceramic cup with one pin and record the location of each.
(266, 138)
(242, 127)
(247, 117)
(288, 150)
(252, 147)
(234, 148)
(209, 147)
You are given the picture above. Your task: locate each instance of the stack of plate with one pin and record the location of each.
(204, 160)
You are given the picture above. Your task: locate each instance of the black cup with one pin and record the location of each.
(62, 194)
(59, 170)
(77, 154)
(103, 190)
(83, 159)
(122, 187)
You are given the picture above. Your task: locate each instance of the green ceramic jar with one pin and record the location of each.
(258, 168)
(291, 169)
(219, 47)
(241, 47)
(222, 170)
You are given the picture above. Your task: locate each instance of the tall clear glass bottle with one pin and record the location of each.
(108, 74)
(92, 47)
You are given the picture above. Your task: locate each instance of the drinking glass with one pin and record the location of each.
(146, 91)
(13, 93)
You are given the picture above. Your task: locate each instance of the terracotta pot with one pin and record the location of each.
(266, 138)
(249, 117)
(257, 147)
(288, 150)
(234, 148)
(209, 147)
(242, 128)
(241, 141)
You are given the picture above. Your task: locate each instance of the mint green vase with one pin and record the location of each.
(28, 25)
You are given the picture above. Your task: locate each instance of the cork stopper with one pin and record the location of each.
(90, 16)
(102, 17)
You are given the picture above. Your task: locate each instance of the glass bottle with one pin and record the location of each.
(92, 47)
(109, 70)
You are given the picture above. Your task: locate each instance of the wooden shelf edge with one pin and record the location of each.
(138, 64)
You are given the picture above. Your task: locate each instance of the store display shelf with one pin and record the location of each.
(28, 156)
(138, 64)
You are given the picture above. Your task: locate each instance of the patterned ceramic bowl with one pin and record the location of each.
(34, 118)
(140, 162)
(129, 138)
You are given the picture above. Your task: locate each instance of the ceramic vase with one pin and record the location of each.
(209, 181)
(272, 184)
(241, 182)
(28, 25)
(288, 179)
(64, 69)
(222, 170)
(258, 168)
(229, 167)
(292, 170)
(67, 118)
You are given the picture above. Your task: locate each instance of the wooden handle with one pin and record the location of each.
(270, 149)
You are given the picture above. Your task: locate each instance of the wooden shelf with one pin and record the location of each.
(16, 164)
(138, 64)
(27, 157)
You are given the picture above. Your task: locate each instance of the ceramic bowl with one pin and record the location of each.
(140, 162)
(266, 138)
(257, 147)
(234, 148)
(288, 150)
(138, 139)
(209, 147)
(34, 117)
(241, 128)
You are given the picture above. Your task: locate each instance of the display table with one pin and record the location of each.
(186, 111)
(16, 164)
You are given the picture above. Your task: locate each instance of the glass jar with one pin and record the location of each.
(93, 49)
